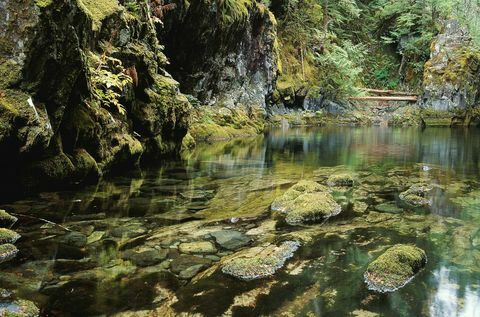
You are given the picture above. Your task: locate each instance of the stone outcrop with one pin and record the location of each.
(223, 55)
(451, 76)
(82, 91)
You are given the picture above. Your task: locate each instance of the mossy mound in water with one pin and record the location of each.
(311, 207)
(7, 252)
(416, 196)
(395, 268)
(6, 220)
(342, 179)
(19, 308)
(259, 263)
(8, 236)
(302, 187)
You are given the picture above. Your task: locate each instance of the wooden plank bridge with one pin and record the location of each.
(386, 95)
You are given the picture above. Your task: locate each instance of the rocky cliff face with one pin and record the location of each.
(223, 55)
(452, 75)
(82, 91)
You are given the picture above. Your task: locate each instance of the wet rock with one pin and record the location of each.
(7, 252)
(231, 239)
(184, 262)
(299, 207)
(8, 236)
(145, 257)
(342, 179)
(260, 262)
(19, 308)
(190, 272)
(200, 247)
(360, 207)
(7, 220)
(395, 268)
(74, 239)
(95, 236)
(389, 208)
(416, 196)
(128, 231)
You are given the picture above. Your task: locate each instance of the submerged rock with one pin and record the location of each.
(200, 247)
(342, 179)
(6, 220)
(231, 239)
(19, 308)
(395, 268)
(389, 207)
(302, 187)
(416, 196)
(184, 262)
(260, 262)
(7, 252)
(145, 257)
(8, 236)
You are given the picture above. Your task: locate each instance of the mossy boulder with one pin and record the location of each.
(7, 220)
(346, 179)
(417, 196)
(8, 236)
(311, 207)
(395, 268)
(302, 187)
(260, 262)
(7, 252)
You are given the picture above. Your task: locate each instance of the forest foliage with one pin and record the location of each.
(333, 46)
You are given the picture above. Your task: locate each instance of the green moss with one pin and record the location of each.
(7, 252)
(342, 179)
(302, 187)
(20, 308)
(98, 10)
(10, 73)
(416, 196)
(43, 3)
(311, 207)
(6, 220)
(394, 268)
(8, 236)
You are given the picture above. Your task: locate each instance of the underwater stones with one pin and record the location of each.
(190, 272)
(145, 257)
(8, 236)
(74, 239)
(389, 207)
(7, 220)
(416, 196)
(260, 262)
(18, 308)
(342, 179)
(231, 239)
(200, 247)
(302, 187)
(7, 252)
(395, 268)
(198, 195)
(184, 262)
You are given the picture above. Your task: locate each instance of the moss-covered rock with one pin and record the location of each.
(260, 262)
(8, 236)
(346, 179)
(395, 268)
(311, 207)
(6, 220)
(303, 187)
(7, 252)
(417, 196)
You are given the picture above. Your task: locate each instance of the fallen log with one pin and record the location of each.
(386, 92)
(388, 98)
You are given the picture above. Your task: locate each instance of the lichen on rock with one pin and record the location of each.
(260, 262)
(395, 268)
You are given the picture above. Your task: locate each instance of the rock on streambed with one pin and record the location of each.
(260, 262)
(395, 268)
(306, 201)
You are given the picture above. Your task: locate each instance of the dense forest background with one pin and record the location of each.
(335, 46)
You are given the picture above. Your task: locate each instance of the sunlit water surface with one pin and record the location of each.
(232, 184)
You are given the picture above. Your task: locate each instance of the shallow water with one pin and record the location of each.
(77, 267)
